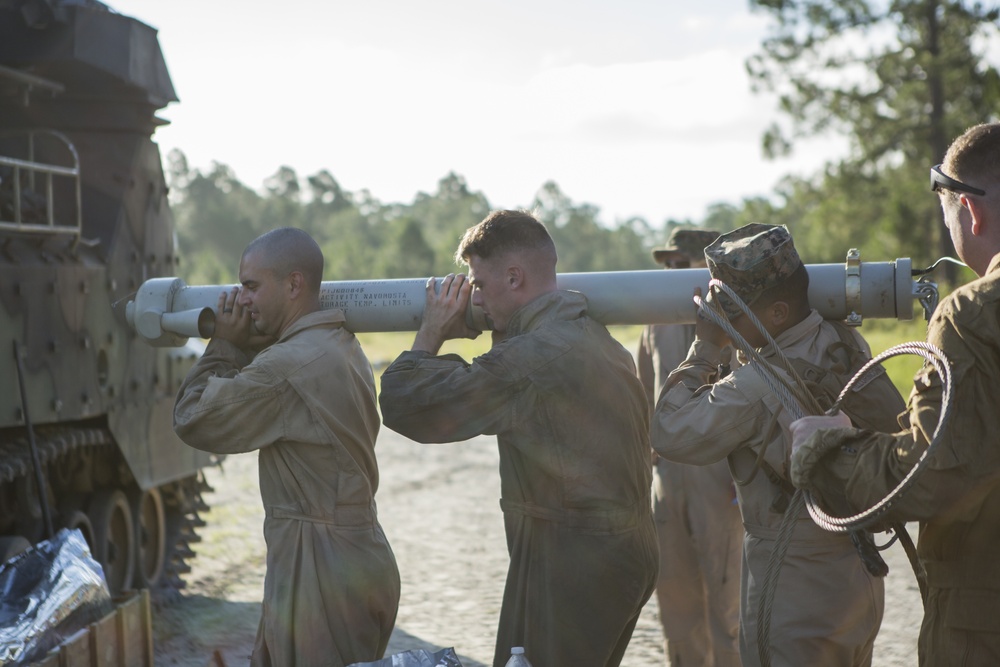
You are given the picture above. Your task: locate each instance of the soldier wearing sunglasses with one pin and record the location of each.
(957, 498)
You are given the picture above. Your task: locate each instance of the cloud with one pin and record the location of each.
(704, 96)
(645, 110)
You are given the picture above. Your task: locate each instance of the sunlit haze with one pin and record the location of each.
(641, 108)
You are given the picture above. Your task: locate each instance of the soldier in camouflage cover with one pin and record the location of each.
(827, 607)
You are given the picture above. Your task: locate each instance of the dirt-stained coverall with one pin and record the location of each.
(307, 404)
(699, 529)
(956, 499)
(827, 609)
(572, 426)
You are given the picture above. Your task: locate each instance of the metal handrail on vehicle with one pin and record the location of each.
(31, 168)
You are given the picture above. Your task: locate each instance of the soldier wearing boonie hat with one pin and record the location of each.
(827, 607)
(750, 260)
(685, 245)
(698, 523)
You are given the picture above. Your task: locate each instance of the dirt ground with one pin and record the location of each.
(439, 505)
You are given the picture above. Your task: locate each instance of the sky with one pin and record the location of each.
(639, 107)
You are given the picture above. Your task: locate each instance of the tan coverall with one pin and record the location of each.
(699, 529)
(571, 421)
(307, 404)
(957, 499)
(827, 609)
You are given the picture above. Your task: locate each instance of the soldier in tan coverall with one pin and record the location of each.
(694, 507)
(306, 404)
(957, 497)
(827, 607)
(572, 426)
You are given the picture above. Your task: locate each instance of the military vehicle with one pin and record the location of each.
(86, 406)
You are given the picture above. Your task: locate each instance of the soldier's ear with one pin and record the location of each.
(777, 314)
(976, 213)
(514, 276)
(294, 282)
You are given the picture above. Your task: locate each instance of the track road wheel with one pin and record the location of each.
(114, 538)
(150, 538)
(77, 520)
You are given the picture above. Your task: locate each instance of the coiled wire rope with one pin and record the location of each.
(932, 355)
(799, 402)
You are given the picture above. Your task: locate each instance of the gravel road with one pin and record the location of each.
(439, 507)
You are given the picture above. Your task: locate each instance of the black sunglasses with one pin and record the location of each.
(941, 180)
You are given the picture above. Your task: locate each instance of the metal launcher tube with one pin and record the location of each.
(848, 292)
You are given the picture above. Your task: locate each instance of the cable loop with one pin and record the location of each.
(872, 515)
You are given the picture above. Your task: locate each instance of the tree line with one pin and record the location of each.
(361, 237)
(899, 79)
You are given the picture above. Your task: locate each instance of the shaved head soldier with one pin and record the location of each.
(306, 403)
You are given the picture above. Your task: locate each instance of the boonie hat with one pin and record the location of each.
(685, 244)
(749, 260)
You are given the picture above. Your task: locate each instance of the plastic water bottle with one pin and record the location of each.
(517, 658)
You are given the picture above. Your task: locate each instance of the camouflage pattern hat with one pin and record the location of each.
(685, 244)
(749, 260)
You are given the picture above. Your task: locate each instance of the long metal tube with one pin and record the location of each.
(885, 290)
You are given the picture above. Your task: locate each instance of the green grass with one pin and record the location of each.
(628, 335)
(883, 334)
(382, 348)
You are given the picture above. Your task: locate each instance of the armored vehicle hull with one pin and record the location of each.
(84, 220)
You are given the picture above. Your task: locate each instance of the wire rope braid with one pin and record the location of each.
(873, 514)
